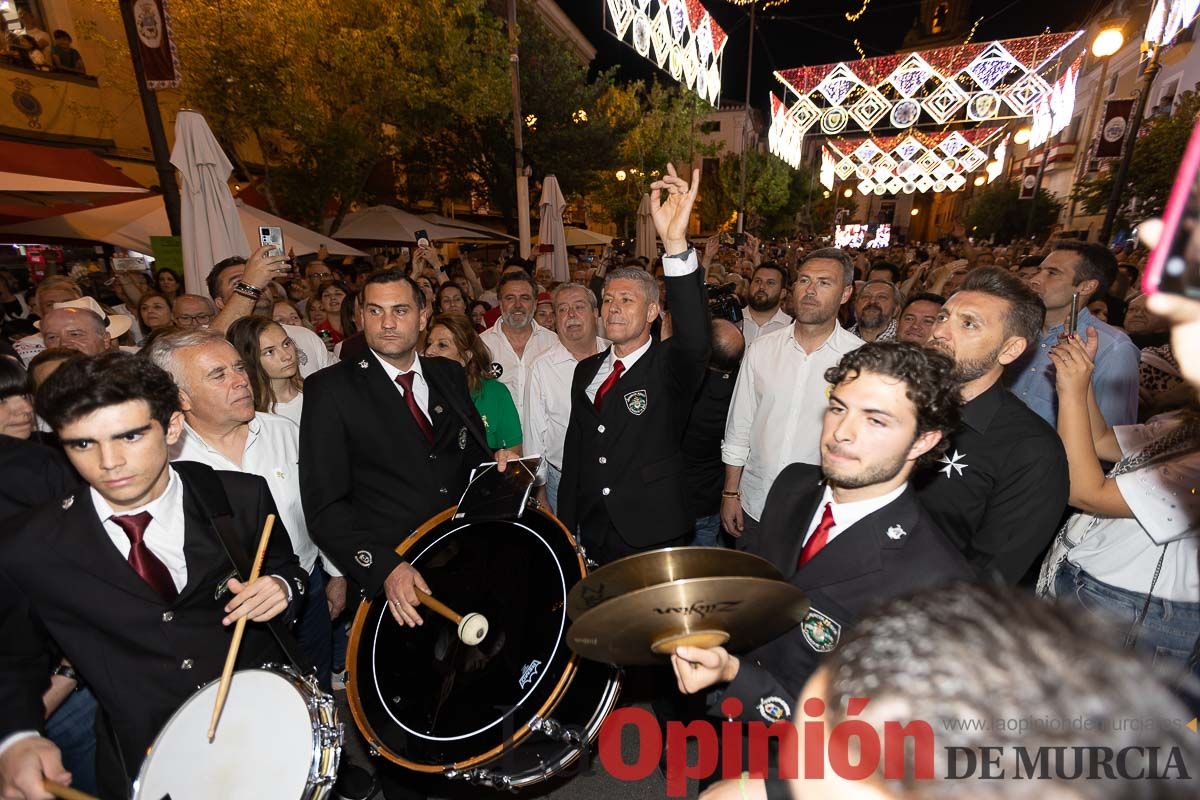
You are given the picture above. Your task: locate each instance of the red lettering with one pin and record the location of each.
(649, 748)
(895, 753)
(867, 750)
(678, 768)
(814, 746)
(784, 732)
(731, 738)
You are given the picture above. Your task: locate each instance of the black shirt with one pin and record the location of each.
(705, 474)
(1001, 487)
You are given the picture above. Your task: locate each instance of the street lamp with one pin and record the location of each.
(620, 174)
(1108, 42)
(1022, 136)
(915, 211)
(848, 193)
(980, 181)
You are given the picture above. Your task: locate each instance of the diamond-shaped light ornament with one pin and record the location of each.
(990, 66)
(945, 101)
(895, 185)
(887, 163)
(690, 63)
(704, 48)
(867, 151)
(928, 160)
(621, 12)
(837, 84)
(660, 36)
(908, 149)
(939, 186)
(924, 183)
(910, 76)
(972, 158)
(952, 144)
(714, 84)
(956, 182)
(679, 20)
(844, 169)
(866, 187)
(804, 113)
(1023, 95)
(869, 109)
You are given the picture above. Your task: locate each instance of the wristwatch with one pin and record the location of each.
(66, 671)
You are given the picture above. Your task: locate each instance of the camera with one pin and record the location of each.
(723, 302)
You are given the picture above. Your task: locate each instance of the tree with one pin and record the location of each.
(1156, 157)
(317, 94)
(999, 211)
(768, 192)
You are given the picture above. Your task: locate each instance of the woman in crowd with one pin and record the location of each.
(1129, 555)
(478, 313)
(427, 286)
(168, 284)
(271, 364)
(153, 312)
(16, 406)
(286, 313)
(453, 336)
(450, 299)
(331, 296)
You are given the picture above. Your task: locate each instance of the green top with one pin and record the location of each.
(500, 419)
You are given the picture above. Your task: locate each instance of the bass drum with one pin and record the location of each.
(511, 711)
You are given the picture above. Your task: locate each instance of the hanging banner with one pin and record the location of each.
(1029, 183)
(1112, 129)
(155, 45)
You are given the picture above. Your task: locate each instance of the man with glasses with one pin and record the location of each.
(193, 311)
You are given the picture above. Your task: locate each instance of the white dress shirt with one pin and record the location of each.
(673, 267)
(164, 534)
(514, 372)
(272, 452)
(548, 403)
(310, 350)
(420, 387)
(751, 330)
(847, 515)
(777, 409)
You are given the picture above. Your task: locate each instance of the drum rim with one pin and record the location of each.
(353, 695)
(284, 671)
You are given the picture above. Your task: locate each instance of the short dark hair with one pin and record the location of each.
(1096, 262)
(521, 263)
(886, 266)
(213, 281)
(89, 383)
(926, 296)
(13, 379)
(392, 275)
(1026, 311)
(1134, 272)
(1045, 660)
(1030, 261)
(59, 33)
(516, 277)
(834, 254)
(49, 356)
(928, 376)
(785, 276)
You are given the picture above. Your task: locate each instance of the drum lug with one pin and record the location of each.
(481, 777)
(552, 729)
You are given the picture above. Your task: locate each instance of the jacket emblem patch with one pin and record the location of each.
(364, 559)
(820, 631)
(462, 438)
(896, 532)
(636, 402)
(774, 709)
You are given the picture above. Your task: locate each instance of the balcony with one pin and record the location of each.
(55, 107)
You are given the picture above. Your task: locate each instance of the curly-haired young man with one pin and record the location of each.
(850, 533)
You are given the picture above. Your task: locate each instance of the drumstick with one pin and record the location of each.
(66, 792)
(238, 629)
(471, 627)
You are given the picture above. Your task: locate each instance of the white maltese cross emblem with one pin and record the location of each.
(954, 462)
(896, 532)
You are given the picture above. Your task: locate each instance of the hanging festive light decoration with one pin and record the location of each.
(784, 137)
(1168, 18)
(972, 82)
(680, 36)
(909, 162)
(1052, 112)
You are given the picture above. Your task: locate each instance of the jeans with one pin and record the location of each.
(708, 532)
(313, 629)
(72, 727)
(553, 478)
(1166, 636)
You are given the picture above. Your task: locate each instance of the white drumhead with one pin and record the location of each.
(263, 749)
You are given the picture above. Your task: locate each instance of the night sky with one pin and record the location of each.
(804, 33)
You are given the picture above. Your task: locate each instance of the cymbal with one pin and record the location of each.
(663, 566)
(645, 625)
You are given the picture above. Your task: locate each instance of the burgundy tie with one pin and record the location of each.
(144, 562)
(406, 383)
(618, 368)
(819, 538)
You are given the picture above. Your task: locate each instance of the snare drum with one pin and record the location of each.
(511, 711)
(278, 739)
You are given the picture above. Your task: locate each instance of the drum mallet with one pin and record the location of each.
(471, 627)
(66, 792)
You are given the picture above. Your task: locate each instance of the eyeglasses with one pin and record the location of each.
(321, 276)
(191, 319)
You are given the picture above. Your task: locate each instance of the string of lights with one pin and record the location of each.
(857, 14)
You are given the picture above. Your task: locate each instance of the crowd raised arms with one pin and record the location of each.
(952, 453)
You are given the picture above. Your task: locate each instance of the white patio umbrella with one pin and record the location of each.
(209, 220)
(390, 224)
(582, 237)
(647, 237)
(550, 230)
(296, 239)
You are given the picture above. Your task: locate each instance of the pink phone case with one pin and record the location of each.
(1176, 204)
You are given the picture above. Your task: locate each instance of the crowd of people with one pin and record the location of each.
(876, 423)
(39, 50)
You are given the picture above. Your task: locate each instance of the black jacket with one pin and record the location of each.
(367, 475)
(625, 465)
(702, 442)
(142, 657)
(890, 552)
(31, 474)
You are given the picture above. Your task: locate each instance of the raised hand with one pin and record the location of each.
(671, 216)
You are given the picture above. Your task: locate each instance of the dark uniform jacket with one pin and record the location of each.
(892, 551)
(702, 442)
(625, 465)
(31, 474)
(142, 657)
(368, 476)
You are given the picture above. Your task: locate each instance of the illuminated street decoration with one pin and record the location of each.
(1168, 18)
(974, 82)
(784, 137)
(908, 162)
(678, 35)
(1052, 112)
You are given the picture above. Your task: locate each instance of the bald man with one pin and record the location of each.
(75, 329)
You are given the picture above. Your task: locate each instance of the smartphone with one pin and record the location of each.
(1174, 266)
(272, 236)
(422, 238)
(545, 248)
(1073, 319)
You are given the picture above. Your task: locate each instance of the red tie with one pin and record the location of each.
(618, 368)
(819, 537)
(406, 383)
(144, 562)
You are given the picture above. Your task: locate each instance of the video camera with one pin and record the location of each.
(723, 302)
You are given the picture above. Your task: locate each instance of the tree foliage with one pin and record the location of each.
(769, 184)
(999, 211)
(1156, 156)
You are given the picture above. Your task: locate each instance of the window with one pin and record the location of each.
(1166, 96)
(1112, 83)
(710, 167)
(711, 126)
